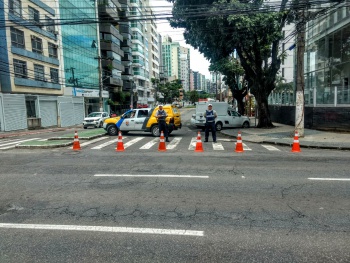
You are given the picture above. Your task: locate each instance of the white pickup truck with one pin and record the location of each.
(227, 116)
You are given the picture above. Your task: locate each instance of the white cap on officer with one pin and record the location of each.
(210, 105)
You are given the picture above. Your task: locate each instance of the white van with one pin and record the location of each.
(227, 116)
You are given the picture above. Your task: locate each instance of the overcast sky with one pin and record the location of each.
(161, 8)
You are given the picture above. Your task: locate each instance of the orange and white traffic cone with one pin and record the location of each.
(120, 145)
(199, 145)
(76, 144)
(162, 146)
(239, 144)
(296, 145)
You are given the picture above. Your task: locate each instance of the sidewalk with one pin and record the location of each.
(284, 135)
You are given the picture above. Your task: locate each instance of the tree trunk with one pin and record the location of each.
(264, 119)
(240, 105)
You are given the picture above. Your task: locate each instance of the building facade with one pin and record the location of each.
(32, 68)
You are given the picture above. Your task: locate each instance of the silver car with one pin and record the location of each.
(95, 119)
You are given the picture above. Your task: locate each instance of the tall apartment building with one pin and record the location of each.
(184, 72)
(171, 57)
(287, 66)
(196, 80)
(31, 69)
(153, 55)
(111, 53)
(191, 80)
(81, 53)
(140, 50)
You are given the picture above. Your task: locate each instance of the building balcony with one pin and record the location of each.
(127, 57)
(106, 11)
(112, 30)
(112, 63)
(113, 81)
(125, 29)
(126, 42)
(127, 85)
(110, 46)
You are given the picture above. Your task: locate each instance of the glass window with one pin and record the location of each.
(39, 72)
(37, 44)
(31, 108)
(33, 15)
(50, 24)
(54, 75)
(337, 47)
(346, 44)
(17, 38)
(20, 68)
(15, 7)
(52, 50)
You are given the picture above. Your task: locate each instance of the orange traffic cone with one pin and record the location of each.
(120, 145)
(76, 144)
(296, 146)
(239, 144)
(199, 146)
(162, 146)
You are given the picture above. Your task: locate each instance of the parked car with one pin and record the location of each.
(143, 119)
(227, 116)
(95, 119)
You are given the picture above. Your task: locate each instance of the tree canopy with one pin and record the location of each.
(233, 73)
(250, 28)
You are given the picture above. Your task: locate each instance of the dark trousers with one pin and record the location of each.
(211, 126)
(163, 127)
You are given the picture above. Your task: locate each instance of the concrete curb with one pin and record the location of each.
(44, 146)
(57, 145)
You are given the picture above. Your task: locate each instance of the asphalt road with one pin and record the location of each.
(141, 205)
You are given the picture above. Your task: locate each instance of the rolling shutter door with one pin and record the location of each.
(48, 113)
(15, 112)
(78, 110)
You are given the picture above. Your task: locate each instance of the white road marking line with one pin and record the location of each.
(8, 140)
(270, 148)
(330, 179)
(132, 230)
(43, 140)
(152, 175)
(99, 147)
(174, 142)
(192, 145)
(150, 144)
(218, 146)
(245, 147)
(92, 141)
(225, 140)
(126, 145)
(13, 144)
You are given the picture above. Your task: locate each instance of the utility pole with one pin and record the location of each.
(100, 83)
(299, 100)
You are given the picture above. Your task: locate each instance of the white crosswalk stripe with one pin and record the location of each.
(12, 144)
(218, 147)
(270, 148)
(150, 144)
(126, 145)
(173, 143)
(192, 145)
(92, 141)
(99, 147)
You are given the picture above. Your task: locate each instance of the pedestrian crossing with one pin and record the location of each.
(149, 143)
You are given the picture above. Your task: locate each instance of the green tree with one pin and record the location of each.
(251, 28)
(232, 71)
(169, 90)
(193, 96)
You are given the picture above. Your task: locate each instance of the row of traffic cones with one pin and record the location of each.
(199, 145)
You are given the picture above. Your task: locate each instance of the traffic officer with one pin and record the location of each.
(210, 115)
(161, 117)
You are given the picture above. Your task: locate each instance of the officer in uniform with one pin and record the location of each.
(161, 117)
(210, 116)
